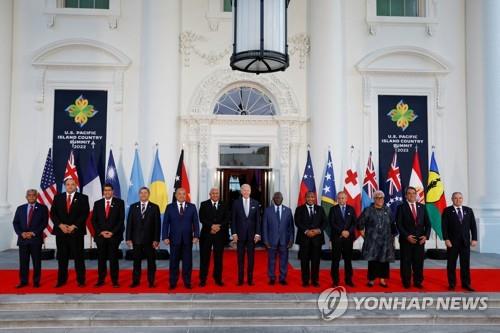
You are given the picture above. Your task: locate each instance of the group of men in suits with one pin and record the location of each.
(180, 230)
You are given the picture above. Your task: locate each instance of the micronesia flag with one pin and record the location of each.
(112, 176)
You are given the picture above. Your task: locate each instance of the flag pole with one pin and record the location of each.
(433, 148)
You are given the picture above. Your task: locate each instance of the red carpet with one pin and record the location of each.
(483, 280)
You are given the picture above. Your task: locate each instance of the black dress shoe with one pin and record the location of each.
(419, 286)
(116, 285)
(406, 286)
(272, 282)
(250, 283)
(81, 285)
(203, 283)
(240, 283)
(36, 285)
(370, 284)
(283, 282)
(60, 284)
(134, 285)
(335, 284)
(171, 287)
(99, 284)
(350, 284)
(21, 285)
(219, 283)
(188, 286)
(384, 285)
(151, 285)
(305, 284)
(468, 288)
(315, 284)
(451, 287)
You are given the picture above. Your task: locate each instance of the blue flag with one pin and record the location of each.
(112, 176)
(136, 180)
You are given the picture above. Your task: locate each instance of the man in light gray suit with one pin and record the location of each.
(277, 234)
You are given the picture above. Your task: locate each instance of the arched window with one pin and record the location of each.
(245, 101)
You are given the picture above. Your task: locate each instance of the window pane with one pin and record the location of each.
(411, 7)
(71, 3)
(102, 4)
(243, 156)
(228, 5)
(383, 8)
(397, 8)
(86, 3)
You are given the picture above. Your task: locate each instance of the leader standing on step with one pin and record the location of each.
(143, 235)
(310, 220)
(108, 219)
(246, 230)
(69, 213)
(459, 233)
(30, 220)
(215, 219)
(181, 228)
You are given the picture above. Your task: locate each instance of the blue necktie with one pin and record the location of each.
(343, 211)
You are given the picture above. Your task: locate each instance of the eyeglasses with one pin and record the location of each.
(378, 198)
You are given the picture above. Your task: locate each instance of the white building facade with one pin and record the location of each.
(165, 65)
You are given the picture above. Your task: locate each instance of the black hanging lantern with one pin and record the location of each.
(260, 36)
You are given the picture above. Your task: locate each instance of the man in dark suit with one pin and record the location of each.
(181, 228)
(108, 218)
(414, 230)
(310, 220)
(215, 219)
(277, 234)
(69, 213)
(30, 220)
(459, 227)
(245, 229)
(342, 221)
(143, 235)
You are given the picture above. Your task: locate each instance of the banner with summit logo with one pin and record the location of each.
(80, 125)
(402, 126)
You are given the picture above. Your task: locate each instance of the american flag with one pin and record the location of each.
(48, 189)
(70, 172)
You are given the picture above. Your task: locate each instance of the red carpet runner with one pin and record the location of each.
(483, 280)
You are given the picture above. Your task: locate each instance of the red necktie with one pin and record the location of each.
(107, 209)
(68, 202)
(30, 216)
(414, 212)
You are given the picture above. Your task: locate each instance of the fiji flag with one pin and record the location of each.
(112, 176)
(136, 180)
(394, 188)
(369, 184)
(308, 183)
(158, 187)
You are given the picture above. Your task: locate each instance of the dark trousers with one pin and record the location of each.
(33, 250)
(184, 250)
(208, 243)
(272, 253)
(412, 259)
(310, 256)
(341, 248)
(377, 269)
(464, 253)
(149, 252)
(107, 248)
(248, 247)
(67, 245)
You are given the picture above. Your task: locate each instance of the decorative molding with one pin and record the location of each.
(219, 81)
(216, 14)
(300, 44)
(55, 8)
(94, 56)
(188, 41)
(429, 20)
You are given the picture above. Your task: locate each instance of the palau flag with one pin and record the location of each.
(329, 192)
(136, 180)
(158, 187)
(435, 199)
(112, 176)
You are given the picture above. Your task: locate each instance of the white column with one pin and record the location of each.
(483, 117)
(325, 86)
(159, 102)
(6, 20)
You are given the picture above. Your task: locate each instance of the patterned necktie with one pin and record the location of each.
(414, 213)
(143, 209)
(30, 216)
(460, 214)
(107, 208)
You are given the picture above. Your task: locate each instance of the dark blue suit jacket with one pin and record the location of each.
(39, 222)
(459, 233)
(276, 231)
(179, 228)
(243, 226)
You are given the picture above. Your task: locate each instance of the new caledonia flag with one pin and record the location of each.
(435, 200)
